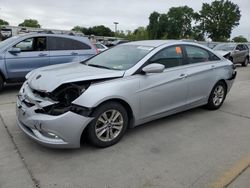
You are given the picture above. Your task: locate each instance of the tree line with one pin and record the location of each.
(215, 21)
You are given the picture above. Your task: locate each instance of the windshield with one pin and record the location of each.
(225, 47)
(8, 41)
(120, 57)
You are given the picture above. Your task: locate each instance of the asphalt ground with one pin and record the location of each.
(197, 148)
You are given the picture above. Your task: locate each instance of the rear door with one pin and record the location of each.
(62, 50)
(34, 54)
(201, 73)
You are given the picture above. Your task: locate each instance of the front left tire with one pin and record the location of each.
(245, 63)
(108, 126)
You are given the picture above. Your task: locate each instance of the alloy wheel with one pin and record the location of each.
(109, 125)
(218, 96)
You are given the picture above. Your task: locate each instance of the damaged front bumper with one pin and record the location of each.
(230, 81)
(61, 131)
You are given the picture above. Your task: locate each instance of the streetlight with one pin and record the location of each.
(116, 23)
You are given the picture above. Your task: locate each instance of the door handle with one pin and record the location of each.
(42, 54)
(183, 75)
(74, 53)
(212, 67)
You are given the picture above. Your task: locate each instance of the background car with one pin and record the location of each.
(121, 88)
(100, 47)
(21, 54)
(117, 42)
(237, 53)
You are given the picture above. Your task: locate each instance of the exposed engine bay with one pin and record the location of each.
(64, 95)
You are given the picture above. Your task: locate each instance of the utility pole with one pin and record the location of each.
(116, 23)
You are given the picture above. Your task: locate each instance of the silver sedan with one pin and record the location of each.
(118, 89)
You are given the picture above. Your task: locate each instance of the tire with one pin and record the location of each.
(245, 63)
(217, 96)
(105, 131)
(1, 83)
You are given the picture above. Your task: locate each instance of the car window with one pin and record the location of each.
(59, 43)
(197, 54)
(169, 57)
(121, 57)
(99, 46)
(243, 47)
(240, 47)
(32, 44)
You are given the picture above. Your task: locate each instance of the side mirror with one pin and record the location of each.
(153, 68)
(14, 50)
(236, 50)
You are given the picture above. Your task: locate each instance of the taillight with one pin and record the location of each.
(97, 51)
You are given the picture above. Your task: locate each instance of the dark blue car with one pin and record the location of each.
(23, 53)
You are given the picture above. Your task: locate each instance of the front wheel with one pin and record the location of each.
(217, 96)
(109, 125)
(245, 62)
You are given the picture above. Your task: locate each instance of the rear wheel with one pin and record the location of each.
(1, 83)
(217, 96)
(109, 125)
(245, 63)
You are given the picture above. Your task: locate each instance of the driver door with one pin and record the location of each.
(33, 54)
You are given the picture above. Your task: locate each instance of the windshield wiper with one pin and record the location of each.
(99, 66)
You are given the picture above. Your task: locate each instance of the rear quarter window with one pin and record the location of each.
(197, 54)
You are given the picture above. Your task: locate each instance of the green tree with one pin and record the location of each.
(197, 34)
(81, 29)
(3, 22)
(122, 34)
(101, 30)
(140, 33)
(163, 26)
(219, 18)
(239, 39)
(179, 23)
(77, 28)
(30, 23)
(153, 27)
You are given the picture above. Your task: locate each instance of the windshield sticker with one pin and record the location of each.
(145, 48)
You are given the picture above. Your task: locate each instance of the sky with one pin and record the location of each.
(130, 14)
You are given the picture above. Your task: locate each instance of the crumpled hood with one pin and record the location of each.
(222, 53)
(49, 78)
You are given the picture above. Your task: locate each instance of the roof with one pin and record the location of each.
(152, 43)
(46, 34)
